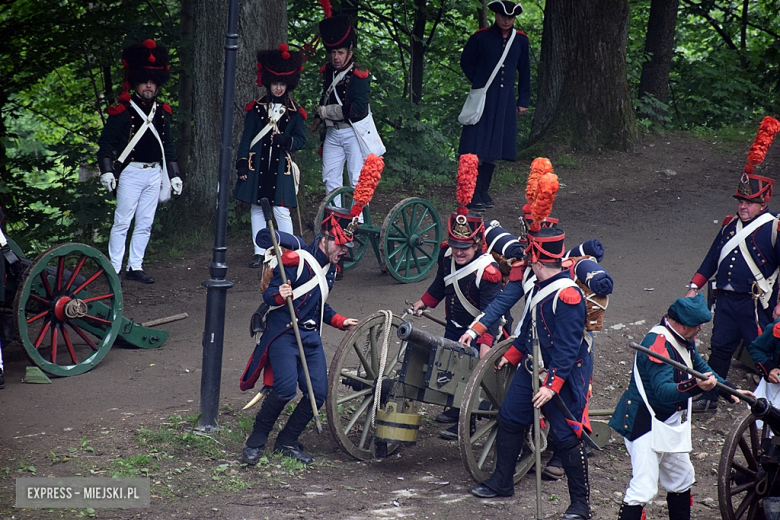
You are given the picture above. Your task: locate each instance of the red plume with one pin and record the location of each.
(285, 51)
(539, 167)
(326, 8)
(468, 166)
(766, 134)
(149, 44)
(367, 183)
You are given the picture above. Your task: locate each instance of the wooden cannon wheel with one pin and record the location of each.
(355, 253)
(57, 310)
(352, 379)
(482, 398)
(740, 477)
(410, 239)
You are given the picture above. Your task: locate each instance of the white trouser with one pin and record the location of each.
(136, 196)
(341, 146)
(283, 221)
(674, 470)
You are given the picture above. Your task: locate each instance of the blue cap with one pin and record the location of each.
(691, 312)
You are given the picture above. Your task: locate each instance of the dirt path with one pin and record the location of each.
(656, 210)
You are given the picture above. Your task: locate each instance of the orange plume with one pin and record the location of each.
(546, 190)
(468, 169)
(367, 183)
(539, 167)
(766, 134)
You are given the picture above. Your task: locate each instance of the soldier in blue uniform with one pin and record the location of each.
(346, 87)
(278, 348)
(136, 142)
(273, 127)
(468, 280)
(494, 137)
(555, 316)
(744, 259)
(668, 391)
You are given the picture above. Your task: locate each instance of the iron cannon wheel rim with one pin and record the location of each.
(740, 456)
(478, 450)
(342, 400)
(410, 239)
(355, 253)
(62, 345)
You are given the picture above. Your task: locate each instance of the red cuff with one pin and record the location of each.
(338, 321)
(513, 355)
(699, 280)
(554, 382)
(429, 300)
(485, 339)
(478, 328)
(279, 299)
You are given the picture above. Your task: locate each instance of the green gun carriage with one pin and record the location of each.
(66, 308)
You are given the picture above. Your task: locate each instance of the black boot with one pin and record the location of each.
(476, 203)
(628, 512)
(575, 465)
(509, 443)
(287, 441)
(486, 174)
(679, 505)
(264, 422)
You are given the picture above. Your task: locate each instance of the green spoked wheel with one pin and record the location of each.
(355, 253)
(68, 309)
(483, 396)
(352, 379)
(742, 481)
(410, 239)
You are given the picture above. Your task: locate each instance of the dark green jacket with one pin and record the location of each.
(270, 175)
(122, 124)
(354, 91)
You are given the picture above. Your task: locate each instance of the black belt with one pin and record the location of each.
(734, 294)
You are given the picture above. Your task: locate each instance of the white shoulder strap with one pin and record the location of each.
(743, 233)
(454, 277)
(273, 119)
(336, 79)
(318, 279)
(501, 61)
(148, 124)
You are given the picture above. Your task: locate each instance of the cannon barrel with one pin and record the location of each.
(759, 406)
(408, 333)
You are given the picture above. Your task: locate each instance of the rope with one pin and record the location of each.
(388, 315)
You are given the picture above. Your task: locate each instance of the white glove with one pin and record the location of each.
(108, 181)
(332, 112)
(176, 185)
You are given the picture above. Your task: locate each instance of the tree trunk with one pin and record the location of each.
(262, 24)
(659, 50)
(417, 51)
(186, 59)
(584, 99)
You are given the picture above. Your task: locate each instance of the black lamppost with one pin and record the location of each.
(217, 286)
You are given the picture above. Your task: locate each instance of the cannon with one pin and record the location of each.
(385, 368)
(749, 468)
(406, 245)
(66, 308)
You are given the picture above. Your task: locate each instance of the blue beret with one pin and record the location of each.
(691, 312)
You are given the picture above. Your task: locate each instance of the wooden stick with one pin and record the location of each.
(169, 319)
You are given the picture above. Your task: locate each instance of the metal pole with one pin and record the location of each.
(217, 286)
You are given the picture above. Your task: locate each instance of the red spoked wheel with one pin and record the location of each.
(68, 309)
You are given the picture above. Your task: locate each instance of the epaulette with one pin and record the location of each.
(570, 295)
(290, 259)
(659, 347)
(521, 33)
(298, 108)
(361, 72)
(776, 330)
(491, 274)
(249, 106)
(116, 109)
(167, 108)
(322, 69)
(444, 245)
(303, 113)
(516, 274)
(483, 29)
(728, 219)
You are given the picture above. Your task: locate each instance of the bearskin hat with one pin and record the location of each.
(337, 32)
(279, 66)
(144, 62)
